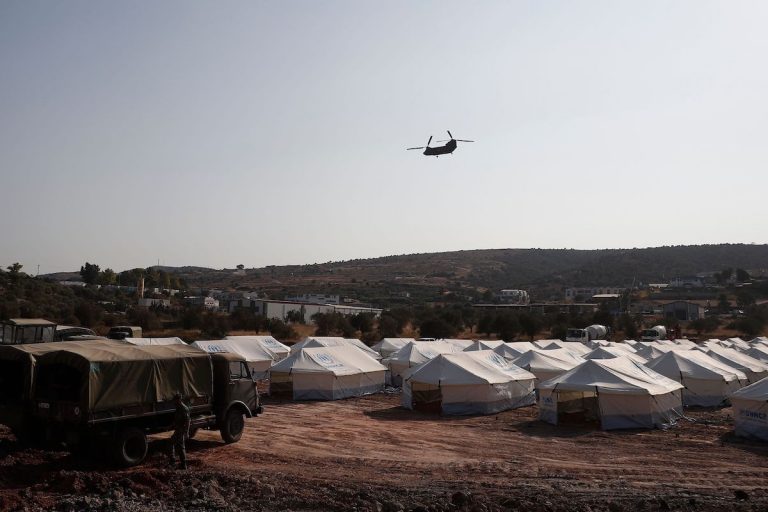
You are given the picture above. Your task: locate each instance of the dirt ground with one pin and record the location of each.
(369, 454)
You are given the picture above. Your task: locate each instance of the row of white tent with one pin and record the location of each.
(630, 384)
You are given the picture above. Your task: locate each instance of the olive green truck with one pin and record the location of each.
(109, 394)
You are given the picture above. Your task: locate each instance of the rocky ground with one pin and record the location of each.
(368, 454)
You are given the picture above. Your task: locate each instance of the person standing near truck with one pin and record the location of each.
(181, 421)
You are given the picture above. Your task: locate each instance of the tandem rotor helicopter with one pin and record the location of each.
(447, 149)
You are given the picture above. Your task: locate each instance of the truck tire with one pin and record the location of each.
(130, 447)
(234, 423)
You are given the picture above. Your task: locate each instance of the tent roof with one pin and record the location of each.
(250, 351)
(619, 375)
(484, 345)
(757, 391)
(418, 352)
(337, 360)
(535, 360)
(329, 341)
(268, 342)
(694, 364)
(738, 360)
(392, 344)
(613, 352)
(468, 368)
(154, 341)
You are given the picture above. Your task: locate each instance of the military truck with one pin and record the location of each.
(114, 395)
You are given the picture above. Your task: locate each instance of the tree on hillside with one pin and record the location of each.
(436, 328)
(742, 275)
(530, 324)
(90, 273)
(15, 269)
(107, 277)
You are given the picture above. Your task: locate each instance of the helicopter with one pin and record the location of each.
(447, 149)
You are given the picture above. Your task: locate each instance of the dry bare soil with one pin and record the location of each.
(370, 454)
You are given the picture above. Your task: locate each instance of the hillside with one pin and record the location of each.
(545, 272)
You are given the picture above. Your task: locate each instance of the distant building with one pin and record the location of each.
(684, 310)
(573, 294)
(280, 308)
(206, 302)
(316, 298)
(687, 282)
(155, 302)
(513, 297)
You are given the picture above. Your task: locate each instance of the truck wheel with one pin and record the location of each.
(130, 447)
(234, 423)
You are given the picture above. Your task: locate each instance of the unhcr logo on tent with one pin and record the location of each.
(328, 361)
(754, 415)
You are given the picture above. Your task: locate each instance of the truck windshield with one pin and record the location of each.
(239, 370)
(649, 333)
(575, 333)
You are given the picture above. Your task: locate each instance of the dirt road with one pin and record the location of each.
(369, 454)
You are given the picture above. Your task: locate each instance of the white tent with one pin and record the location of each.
(389, 346)
(278, 350)
(716, 342)
(612, 353)
(571, 346)
(154, 341)
(653, 351)
(544, 365)
(548, 343)
(480, 382)
(329, 341)
(682, 342)
(259, 359)
(415, 354)
(707, 382)
(327, 373)
(621, 346)
(759, 352)
(750, 410)
(617, 392)
(462, 344)
(739, 344)
(513, 349)
(760, 340)
(484, 345)
(754, 369)
(631, 343)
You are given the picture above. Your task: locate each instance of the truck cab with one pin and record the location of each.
(17, 331)
(235, 394)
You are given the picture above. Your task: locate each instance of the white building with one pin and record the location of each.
(514, 296)
(587, 293)
(316, 298)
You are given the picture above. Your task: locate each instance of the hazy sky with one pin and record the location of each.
(220, 133)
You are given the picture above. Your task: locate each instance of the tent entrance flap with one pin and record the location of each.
(576, 408)
(427, 398)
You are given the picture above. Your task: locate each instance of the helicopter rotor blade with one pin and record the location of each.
(462, 140)
(430, 140)
(420, 147)
(449, 133)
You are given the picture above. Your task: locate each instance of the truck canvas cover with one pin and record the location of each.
(114, 376)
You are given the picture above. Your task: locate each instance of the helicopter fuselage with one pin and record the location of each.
(449, 148)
